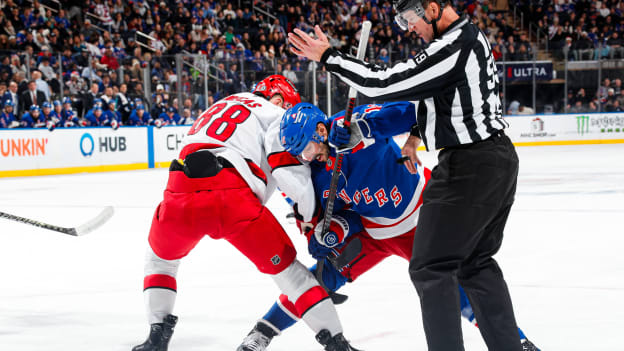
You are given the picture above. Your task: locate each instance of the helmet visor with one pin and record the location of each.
(409, 14)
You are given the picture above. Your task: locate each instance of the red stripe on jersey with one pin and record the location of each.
(282, 159)
(289, 305)
(190, 148)
(309, 299)
(160, 281)
(427, 173)
(257, 171)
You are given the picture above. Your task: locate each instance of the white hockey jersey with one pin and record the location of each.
(235, 129)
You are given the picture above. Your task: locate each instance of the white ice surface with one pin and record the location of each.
(562, 257)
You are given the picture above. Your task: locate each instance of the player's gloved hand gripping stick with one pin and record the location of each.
(333, 185)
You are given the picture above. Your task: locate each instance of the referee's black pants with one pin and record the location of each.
(460, 227)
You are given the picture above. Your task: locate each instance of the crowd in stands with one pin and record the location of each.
(610, 98)
(580, 29)
(81, 62)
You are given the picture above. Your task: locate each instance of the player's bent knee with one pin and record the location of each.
(159, 266)
(300, 286)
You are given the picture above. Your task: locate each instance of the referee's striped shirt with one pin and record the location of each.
(453, 84)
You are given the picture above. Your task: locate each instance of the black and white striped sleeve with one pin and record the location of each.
(429, 72)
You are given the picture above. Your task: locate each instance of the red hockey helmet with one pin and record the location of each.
(278, 84)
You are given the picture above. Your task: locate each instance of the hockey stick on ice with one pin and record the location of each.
(333, 185)
(83, 229)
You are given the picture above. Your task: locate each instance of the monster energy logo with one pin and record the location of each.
(582, 124)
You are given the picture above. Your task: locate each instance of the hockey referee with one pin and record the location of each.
(454, 85)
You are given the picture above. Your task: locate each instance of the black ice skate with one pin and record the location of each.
(159, 336)
(335, 343)
(258, 338)
(528, 346)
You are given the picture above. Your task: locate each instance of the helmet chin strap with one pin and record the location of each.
(434, 22)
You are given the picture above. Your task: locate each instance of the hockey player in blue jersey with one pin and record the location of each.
(7, 118)
(378, 200)
(71, 119)
(140, 117)
(90, 120)
(112, 117)
(32, 118)
(169, 117)
(49, 116)
(68, 115)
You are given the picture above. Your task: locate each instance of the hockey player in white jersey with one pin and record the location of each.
(378, 200)
(224, 159)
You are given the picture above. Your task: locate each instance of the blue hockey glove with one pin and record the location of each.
(320, 244)
(338, 134)
(346, 140)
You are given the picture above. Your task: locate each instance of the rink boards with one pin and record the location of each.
(29, 152)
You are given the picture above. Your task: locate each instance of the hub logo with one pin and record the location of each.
(104, 144)
(87, 145)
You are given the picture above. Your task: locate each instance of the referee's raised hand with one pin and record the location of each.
(306, 46)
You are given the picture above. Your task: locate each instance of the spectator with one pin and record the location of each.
(49, 75)
(577, 107)
(76, 84)
(513, 108)
(232, 80)
(616, 47)
(42, 85)
(90, 73)
(187, 119)
(603, 90)
(11, 94)
(31, 97)
(617, 86)
(290, 74)
(109, 60)
(123, 103)
(525, 110)
(583, 48)
(91, 97)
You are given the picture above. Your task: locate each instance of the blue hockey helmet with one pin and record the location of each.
(58, 103)
(8, 103)
(298, 127)
(34, 108)
(46, 104)
(67, 100)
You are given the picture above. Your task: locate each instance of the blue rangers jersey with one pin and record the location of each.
(372, 183)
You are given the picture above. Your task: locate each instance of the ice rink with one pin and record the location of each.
(562, 258)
